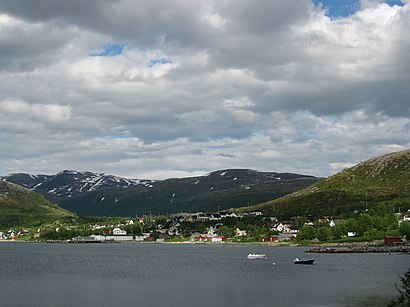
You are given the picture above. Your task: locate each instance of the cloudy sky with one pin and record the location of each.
(159, 89)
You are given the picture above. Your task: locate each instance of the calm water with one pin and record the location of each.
(191, 275)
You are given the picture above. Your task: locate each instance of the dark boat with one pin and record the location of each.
(304, 261)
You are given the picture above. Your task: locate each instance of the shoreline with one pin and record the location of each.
(330, 248)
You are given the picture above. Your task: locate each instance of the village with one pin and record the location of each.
(159, 229)
(220, 227)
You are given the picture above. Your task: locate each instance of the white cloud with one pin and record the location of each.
(196, 88)
(239, 103)
(44, 113)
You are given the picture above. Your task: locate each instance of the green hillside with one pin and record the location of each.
(383, 179)
(22, 207)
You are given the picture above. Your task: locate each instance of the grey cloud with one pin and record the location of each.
(256, 85)
(27, 47)
(81, 13)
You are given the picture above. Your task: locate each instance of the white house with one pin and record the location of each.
(218, 239)
(333, 223)
(228, 214)
(173, 231)
(240, 233)
(202, 217)
(119, 238)
(405, 219)
(282, 227)
(215, 217)
(119, 232)
(210, 230)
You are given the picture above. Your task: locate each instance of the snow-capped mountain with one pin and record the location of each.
(72, 184)
(88, 193)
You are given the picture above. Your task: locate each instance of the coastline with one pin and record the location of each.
(353, 247)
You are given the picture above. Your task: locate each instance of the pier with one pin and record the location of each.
(361, 249)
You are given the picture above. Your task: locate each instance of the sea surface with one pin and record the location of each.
(132, 274)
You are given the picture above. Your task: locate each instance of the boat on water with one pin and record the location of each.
(256, 256)
(304, 261)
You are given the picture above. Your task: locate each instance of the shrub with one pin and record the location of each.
(404, 293)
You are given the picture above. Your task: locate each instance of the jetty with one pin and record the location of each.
(360, 249)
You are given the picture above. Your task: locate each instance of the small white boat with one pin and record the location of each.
(256, 256)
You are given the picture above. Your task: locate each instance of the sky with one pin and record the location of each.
(177, 88)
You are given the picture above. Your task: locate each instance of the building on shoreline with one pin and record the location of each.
(108, 238)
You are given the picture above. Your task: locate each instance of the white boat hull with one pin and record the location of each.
(257, 256)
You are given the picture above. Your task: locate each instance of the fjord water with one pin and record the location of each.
(192, 275)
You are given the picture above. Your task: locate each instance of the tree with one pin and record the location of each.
(323, 233)
(155, 235)
(258, 232)
(352, 225)
(298, 222)
(405, 230)
(404, 297)
(379, 223)
(390, 221)
(365, 222)
(306, 233)
(338, 231)
(226, 231)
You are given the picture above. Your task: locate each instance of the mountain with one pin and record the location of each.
(383, 179)
(20, 206)
(87, 193)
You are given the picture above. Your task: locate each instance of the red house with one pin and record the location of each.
(392, 240)
(204, 238)
(270, 239)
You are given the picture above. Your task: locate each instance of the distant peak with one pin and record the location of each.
(65, 172)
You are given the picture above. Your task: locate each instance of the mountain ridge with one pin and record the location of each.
(88, 193)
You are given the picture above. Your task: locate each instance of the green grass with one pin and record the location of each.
(384, 179)
(22, 207)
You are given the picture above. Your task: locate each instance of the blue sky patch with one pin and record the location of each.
(115, 137)
(311, 134)
(160, 61)
(344, 8)
(111, 50)
(394, 2)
